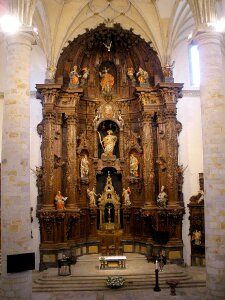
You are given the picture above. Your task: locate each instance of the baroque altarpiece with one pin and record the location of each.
(110, 177)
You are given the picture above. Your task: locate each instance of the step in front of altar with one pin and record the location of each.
(86, 276)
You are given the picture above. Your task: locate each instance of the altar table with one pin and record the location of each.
(112, 262)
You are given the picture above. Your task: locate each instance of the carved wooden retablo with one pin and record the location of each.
(109, 125)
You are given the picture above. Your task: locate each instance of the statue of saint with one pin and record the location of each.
(91, 195)
(74, 77)
(126, 195)
(60, 201)
(162, 198)
(133, 165)
(51, 71)
(107, 81)
(168, 69)
(108, 142)
(84, 167)
(130, 74)
(84, 76)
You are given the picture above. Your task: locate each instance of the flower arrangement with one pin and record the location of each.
(115, 281)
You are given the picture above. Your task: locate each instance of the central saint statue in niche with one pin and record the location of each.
(108, 143)
(107, 81)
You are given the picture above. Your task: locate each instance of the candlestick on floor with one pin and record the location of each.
(156, 288)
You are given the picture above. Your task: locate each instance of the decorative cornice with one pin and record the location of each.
(186, 93)
(191, 93)
(32, 94)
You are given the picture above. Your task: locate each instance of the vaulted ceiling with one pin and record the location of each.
(164, 23)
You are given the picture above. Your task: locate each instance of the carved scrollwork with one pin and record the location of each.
(169, 95)
(133, 142)
(40, 128)
(46, 216)
(178, 127)
(70, 100)
(148, 99)
(49, 96)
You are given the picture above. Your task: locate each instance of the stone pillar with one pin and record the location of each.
(15, 201)
(213, 112)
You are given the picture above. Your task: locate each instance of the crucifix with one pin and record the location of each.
(109, 210)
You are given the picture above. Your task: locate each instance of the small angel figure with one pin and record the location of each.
(97, 116)
(120, 119)
(142, 76)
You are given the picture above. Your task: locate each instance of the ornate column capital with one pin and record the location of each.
(147, 117)
(71, 119)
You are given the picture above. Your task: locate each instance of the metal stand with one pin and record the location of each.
(157, 288)
(64, 266)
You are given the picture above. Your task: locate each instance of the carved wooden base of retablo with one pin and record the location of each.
(166, 238)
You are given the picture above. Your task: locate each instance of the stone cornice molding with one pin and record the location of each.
(191, 93)
(20, 38)
(209, 36)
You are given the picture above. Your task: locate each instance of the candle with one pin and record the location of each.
(156, 264)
